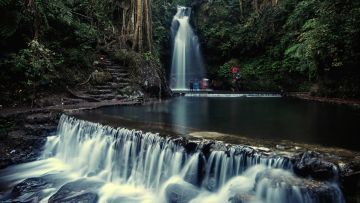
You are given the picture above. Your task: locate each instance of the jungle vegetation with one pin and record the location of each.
(292, 45)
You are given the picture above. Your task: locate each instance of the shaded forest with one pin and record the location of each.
(301, 45)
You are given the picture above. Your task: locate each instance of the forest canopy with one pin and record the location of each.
(291, 45)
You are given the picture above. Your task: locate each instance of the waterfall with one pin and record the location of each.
(187, 62)
(87, 160)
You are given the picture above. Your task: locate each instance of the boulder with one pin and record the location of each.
(181, 192)
(78, 191)
(34, 189)
(31, 185)
(191, 146)
(289, 188)
(86, 197)
(311, 164)
(350, 180)
(148, 75)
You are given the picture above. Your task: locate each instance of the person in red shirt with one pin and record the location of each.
(235, 74)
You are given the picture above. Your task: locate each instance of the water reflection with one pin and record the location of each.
(266, 118)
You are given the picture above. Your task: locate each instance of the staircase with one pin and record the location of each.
(111, 89)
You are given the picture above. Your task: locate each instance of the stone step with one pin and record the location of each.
(40, 129)
(117, 70)
(122, 84)
(103, 96)
(39, 118)
(119, 74)
(72, 101)
(122, 80)
(119, 97)
(104, 64)
(113, 67)
(105, 60)
(98, 87)
(100, 91)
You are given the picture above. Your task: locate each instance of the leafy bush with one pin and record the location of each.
(37, 63)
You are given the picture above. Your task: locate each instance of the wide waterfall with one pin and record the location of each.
(187, 62)
(90, 162)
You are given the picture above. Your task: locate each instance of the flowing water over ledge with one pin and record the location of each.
(95, 163)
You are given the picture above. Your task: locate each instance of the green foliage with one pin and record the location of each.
(121, 55)
(37, 63)
(45, 42)
(224, 71)
(288, 45)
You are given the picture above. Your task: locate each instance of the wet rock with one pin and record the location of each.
(180, 192)
(87, 197)
(191, 146)
(350, 180)
(242, 198)
(40, 118)
(25, 134)
(40, 129)
(33, 189)
(282, 147)
(196, 171)
(295, 189)
(31, 185)
(207, 148)
(148, 76)
(77, 191)
(4, 162)
(311, 164)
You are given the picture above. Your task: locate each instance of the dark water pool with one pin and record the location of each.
(266, 118)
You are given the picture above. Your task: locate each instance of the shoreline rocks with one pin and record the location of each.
(27, 132)
(25, 136)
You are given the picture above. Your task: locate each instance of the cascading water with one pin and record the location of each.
(187, 62)
(90, 162)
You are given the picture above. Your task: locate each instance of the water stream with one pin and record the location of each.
(90, 162)
(187, 62)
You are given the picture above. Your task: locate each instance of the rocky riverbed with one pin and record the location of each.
(24, 134)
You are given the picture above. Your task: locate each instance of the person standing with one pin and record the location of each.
(191, 85)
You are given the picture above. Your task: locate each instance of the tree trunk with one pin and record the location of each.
(136, 25)
(137, 42)
(36, 23)
(274, 2)
(256, 6)
(241, 8)
(148, 24)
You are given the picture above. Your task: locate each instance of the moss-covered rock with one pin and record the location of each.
(100, 77)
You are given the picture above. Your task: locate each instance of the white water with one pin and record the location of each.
(224, 95)
(131, 166)
(187, 62)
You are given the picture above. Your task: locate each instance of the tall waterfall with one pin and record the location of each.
(187, 62)
(90, 162)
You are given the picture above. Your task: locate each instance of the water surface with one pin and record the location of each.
(265, 118)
